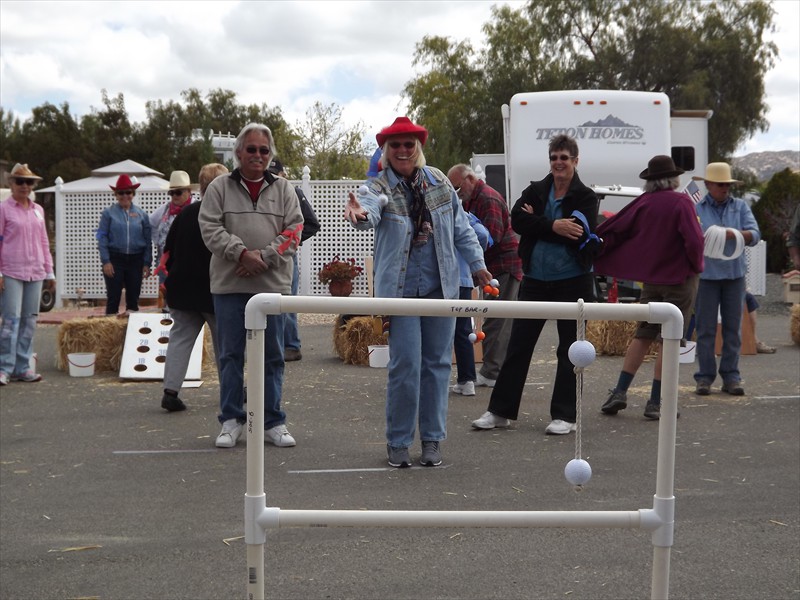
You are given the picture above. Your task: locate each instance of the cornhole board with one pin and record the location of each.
(145, 349)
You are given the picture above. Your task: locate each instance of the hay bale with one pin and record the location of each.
(352, 336)
(610, 337)
(794, 326)
(105, 336)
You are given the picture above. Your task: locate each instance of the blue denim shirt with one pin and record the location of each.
(484, 239)
(734, 214)
(124, 232)
(452, 234)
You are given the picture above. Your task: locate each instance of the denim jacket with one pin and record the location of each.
(733, 214)
(124, 232)
(452, 234)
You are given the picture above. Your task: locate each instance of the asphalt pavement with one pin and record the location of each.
(104, 495)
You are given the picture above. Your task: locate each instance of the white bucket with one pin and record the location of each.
(687, 353)
(81, 364)
(378, 356)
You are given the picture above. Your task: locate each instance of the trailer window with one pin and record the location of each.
(683, 157)
(496, 178)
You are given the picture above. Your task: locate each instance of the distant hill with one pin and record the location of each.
(765, 164)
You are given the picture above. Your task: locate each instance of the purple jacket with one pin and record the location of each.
(655, 239)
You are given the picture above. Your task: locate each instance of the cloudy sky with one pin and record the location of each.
(286, 54)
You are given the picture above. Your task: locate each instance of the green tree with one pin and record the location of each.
(10, 135)
(703, 55)
(107, 133)
(50, 136)
(330, 149)
(774, 213)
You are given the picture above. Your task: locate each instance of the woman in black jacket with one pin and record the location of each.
(551, 217)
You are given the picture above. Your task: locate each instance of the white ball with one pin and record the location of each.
(383, 200)
(494, 283)
(362, 190)
(581, 353)
(578, 471)
(473, 338)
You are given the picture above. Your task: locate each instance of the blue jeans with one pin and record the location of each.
(420, 353)
(291, 335)
(127, 274)
(465, 352)
(726, 297)
(20, 310)
(231, 337)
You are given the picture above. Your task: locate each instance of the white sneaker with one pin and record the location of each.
(559, 427)
(481, 380)
(279, 436)
(490, 421)
(231, 431)
(465, 389)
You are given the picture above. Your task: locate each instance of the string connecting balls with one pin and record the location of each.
(578, 472)
(582, 353)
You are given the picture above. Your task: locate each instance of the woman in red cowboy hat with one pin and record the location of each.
(420, 229)
(124, 241)
(25, 263)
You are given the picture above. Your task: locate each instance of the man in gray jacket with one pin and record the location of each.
(251, 222)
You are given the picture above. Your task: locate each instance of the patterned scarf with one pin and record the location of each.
(420, 215)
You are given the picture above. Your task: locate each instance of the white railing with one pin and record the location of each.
(659, 519)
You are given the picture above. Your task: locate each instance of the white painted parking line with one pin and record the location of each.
(163, 451)
(372, 470)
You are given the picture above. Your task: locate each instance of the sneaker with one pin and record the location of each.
(559, 427)
(279, 436)
(490, 420)
(652, 411)
(616, 402)
(231, 431)
(703, 388)
(734, 388)
(27, 377)
(3, 379)
(290, 354)
(431, 456)
(480, 380)
(762, 348)
(398, 457)
(171, 403)
(465, 389)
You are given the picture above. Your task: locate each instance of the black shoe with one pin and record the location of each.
(398, 457)
(733, 388)
(431, 456)
(616, 402)
(703, 389)
(652, 411)
(172, 403)
(290, 354)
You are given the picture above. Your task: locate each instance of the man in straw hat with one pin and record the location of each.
(25, 264)
(655, 239)
(722, 283)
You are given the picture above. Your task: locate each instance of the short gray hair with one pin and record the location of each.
(243, 134)
(667, 183)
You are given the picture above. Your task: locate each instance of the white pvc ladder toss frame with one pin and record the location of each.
(659, 520)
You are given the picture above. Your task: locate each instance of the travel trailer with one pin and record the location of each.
(617, 133)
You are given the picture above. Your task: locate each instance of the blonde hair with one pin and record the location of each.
(209, 173)
(419, 163)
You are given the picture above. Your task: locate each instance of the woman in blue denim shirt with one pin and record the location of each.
(420, 228)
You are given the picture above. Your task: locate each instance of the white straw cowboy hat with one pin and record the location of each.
(179, 180)
(718, 172)
(23, 172)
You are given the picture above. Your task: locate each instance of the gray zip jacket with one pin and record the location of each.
(231, 223)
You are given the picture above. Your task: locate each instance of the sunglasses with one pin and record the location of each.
(406, 145)
(263, 150)
(124, 192)
(25, 181)
(722, 184)
(176, 192)
(561, 157)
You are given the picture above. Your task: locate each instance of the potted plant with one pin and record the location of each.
(339, 275)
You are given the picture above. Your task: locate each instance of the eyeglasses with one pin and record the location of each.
(263, 150)
(25, 181)
(407, 145)
(176, 192)
(561, 157)
(124, 192)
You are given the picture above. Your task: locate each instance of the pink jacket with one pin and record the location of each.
(24, 247)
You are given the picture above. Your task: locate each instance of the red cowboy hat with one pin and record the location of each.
(124, 183)
(400, 126)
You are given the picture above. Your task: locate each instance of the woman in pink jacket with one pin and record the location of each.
(25, 263)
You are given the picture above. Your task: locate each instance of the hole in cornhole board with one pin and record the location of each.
(145, 350)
